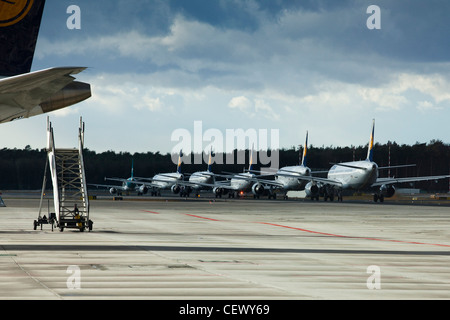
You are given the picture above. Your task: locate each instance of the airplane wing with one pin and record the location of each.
(399, 166)
(105, 186)
(320, 180)
(218, 184)
(117, 179)
(38, 92)
(23, 93)
(384, 181)
(195, 184)
(271, 183)
(312, 179)
(148, 182)
(256, 172)
(257, 179)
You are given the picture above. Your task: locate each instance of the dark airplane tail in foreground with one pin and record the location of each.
(19, 28)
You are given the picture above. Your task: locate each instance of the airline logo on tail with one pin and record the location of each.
(209, 161)
(179, 162)
(250, 166)
(305, 150)
(370, 149)
(19, 27)
(12, 11)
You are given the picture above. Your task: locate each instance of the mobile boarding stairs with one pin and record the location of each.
(70, 198)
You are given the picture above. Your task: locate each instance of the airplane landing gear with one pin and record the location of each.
(377, 197)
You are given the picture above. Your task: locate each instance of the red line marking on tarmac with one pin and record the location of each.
(200, 217)
(318, 232)
(352, 237)
(304, 230)
(150, 211)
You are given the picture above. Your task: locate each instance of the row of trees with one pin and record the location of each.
(23, 169)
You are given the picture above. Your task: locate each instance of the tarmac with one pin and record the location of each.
(175, 249)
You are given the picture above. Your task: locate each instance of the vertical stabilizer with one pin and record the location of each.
(250, 166)
(19, 28)
(179, 161)
(305, 150)
(370, 148)
(209, 161)
(132, 169)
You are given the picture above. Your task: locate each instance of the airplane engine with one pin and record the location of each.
(258, 189)
(312, 190)
(175, 189)
(387, 190)
(113, 190)
(143, 189)
(220, 191)
(71, 94)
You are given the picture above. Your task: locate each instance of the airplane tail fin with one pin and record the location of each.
(370, 148)
(305, 150)
(19, 29)
(250, 166)
(132, 168)
(209, 161)
(179, 161)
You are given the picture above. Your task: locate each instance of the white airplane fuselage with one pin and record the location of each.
(292, 183)
(354, 178)
(167, 180)
(240, 181)
(201, 177)
(129, 185)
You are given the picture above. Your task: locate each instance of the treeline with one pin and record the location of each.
(23, 169)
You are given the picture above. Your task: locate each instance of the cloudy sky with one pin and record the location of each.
(157, 66)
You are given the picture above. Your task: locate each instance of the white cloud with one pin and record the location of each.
(266, 110)
(278, 75)
(427, 106)
(434, 85)
(383, 98)
(242, 103)
(255, 109)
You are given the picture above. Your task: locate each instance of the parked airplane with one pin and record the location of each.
(286, 178)
(238, 183)
(358, 175)
(163, 181)
(23, 93)
(128, 185)
(198, 180)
